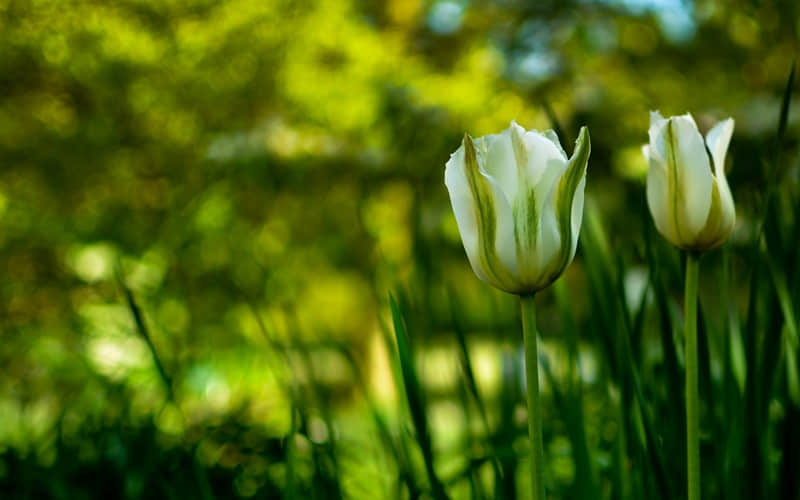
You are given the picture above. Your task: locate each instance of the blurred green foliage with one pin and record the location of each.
(262, 173)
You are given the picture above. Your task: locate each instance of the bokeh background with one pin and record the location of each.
(262, 174)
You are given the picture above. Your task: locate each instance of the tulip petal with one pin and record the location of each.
(526, 206)
(659, 190)
(542, 163)
(499, 160)
(550, 245)
(658, 146)
(717, 140)
(689, 175)
(721, 217)
(659, 194)
(577, 216)
(551, 134)
(484, 218)
(542, 154)
(727, 206)
(569, 191)
(458, 188)
(545, 246)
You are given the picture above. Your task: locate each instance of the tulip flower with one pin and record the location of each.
(687, 192)
(518, 202)
(693, 209)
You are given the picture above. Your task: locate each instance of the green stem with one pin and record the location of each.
(532, 381)
(692, 397)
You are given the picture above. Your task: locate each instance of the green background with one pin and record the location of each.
(283, 161)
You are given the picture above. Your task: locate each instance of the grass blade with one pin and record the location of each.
(416, 399)
(584, 484)
(201, 478)
(470, 382)
(144, 332)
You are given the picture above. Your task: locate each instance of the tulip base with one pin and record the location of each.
(528, 308)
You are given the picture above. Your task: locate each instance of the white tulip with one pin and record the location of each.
(690, 202)
(518, 202)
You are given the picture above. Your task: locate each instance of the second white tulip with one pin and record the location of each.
(689, 200)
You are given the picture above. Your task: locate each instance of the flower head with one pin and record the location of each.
(687, 192)
(518, 202)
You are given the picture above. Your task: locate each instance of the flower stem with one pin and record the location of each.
(692, 397)
(532, 382)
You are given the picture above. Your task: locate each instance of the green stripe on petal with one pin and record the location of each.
(486, 217)
(526, 218)
(576, 170)
(674, 198)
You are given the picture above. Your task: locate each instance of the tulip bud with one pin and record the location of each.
(691, 204)
(518, 202)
